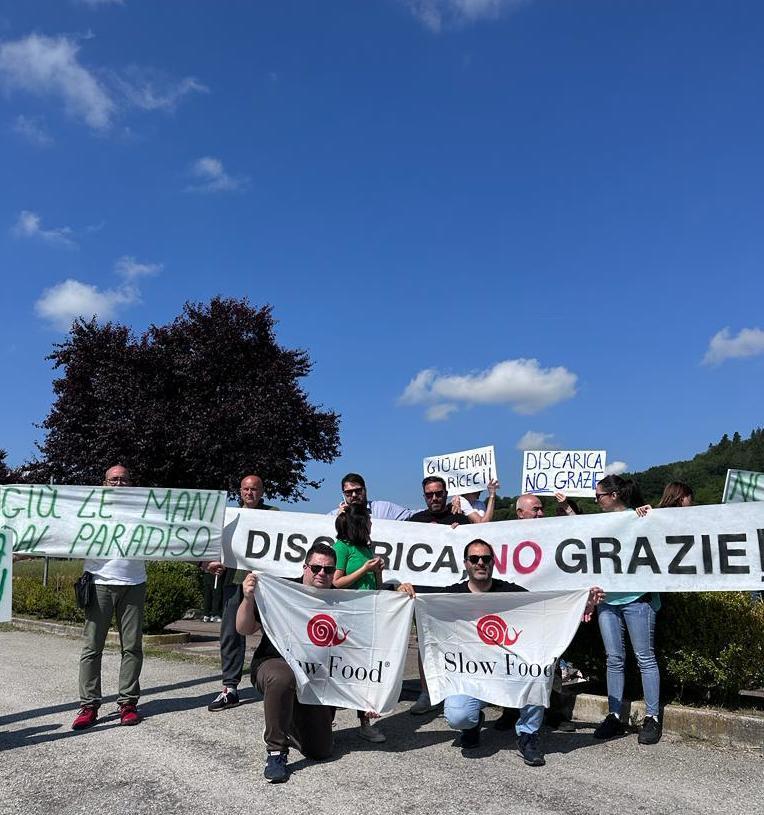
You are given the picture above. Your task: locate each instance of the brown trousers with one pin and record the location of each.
(307, 727)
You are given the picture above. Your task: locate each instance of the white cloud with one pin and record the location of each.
(211, 176)
(152, 90)
(49, 66)
(616, 468)
(437, 14)
(29, 225)
(128, 268)
(99, 3)
(61, 304)
(748, 343)
(521, 383)
(33, 130)
(440, 412)
(533, 440)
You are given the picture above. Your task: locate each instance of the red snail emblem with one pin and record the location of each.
(494, 631)
(322, 630)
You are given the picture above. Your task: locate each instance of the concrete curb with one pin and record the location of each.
(75, 632)
(719, 727)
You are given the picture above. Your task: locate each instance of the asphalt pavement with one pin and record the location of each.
(182, 759)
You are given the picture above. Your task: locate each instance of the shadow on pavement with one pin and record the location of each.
(34, 713)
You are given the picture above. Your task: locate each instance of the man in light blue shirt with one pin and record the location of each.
(354, 492)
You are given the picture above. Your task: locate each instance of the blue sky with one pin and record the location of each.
(483, 218)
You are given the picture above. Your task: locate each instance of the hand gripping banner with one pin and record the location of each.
(498, 647)
(346, 648)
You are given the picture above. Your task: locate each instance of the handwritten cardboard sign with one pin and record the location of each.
(574, 472)
(464, 472)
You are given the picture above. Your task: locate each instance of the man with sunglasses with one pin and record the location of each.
(464, 712)
(438, 508)
(354, 492)
(287, 721)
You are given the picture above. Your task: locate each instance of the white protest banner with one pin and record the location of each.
(465, 472)
(346, 648)
(574, 472)
(743, 485)
(6, 578)
(704, 548)
(113, 522)
(499, 647)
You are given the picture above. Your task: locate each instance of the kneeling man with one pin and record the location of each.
(466, 713)
(306, 727)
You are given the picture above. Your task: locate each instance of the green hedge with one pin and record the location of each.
(709, 646)
(171, 589)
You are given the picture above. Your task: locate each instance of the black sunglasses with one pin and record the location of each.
(315, 568)
(475, 559)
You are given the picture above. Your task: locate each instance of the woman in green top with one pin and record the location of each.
(357, 568)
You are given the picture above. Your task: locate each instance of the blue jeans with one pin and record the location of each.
(639, 619)
(463, 712)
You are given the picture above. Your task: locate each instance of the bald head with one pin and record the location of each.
(251, 491)
(529, 506)
(117, 476)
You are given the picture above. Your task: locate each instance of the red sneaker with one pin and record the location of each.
(86, 717)
(128, 714)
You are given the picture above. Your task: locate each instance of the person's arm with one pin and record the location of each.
(490, 504)
(562, 500)
(246, 622)
(595, 598)
(346, 581)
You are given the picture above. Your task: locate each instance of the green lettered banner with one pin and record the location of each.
(743, 485)
(112, 522)
(6, 561)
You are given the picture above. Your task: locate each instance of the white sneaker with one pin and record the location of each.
(206, 619)
(368, 732)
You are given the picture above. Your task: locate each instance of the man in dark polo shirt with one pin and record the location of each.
(287, 721)
(233, 645)
(438, 508)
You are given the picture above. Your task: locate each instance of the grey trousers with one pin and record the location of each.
(232, 644)
(307, 727)
(126, 602)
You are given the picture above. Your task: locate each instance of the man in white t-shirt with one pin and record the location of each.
(120, 589)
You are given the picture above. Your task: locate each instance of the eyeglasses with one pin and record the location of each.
(434, 494)
(351, 493)
(113, 482)
(315, 568)
(598, 495)
(475, 559)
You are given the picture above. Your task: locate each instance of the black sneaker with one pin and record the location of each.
(609, 728)
(228, 698)
(530, 749)
(471, 737)
(651, 731)
(276, 771)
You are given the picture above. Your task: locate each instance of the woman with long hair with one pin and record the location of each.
(357, 568)
(635, 612)
(677, 494)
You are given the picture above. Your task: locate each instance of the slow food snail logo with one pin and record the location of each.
(322, 630)
(494, 631)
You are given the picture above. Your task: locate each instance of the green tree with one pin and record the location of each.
(197, 403)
